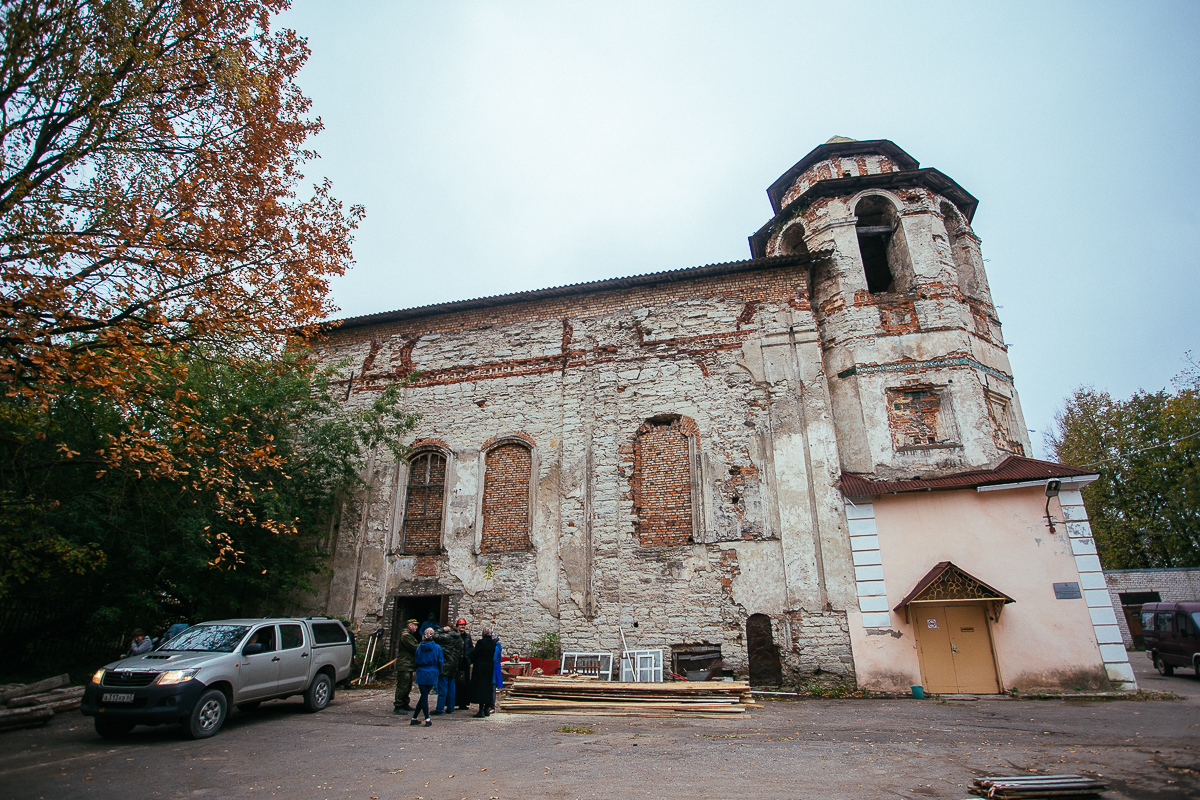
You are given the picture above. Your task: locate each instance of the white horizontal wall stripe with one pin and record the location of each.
(868, 566)
(864, 557)
(862, 527)
(864, 543)
(1095, 593)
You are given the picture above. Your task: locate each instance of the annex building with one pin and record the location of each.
(813, 460)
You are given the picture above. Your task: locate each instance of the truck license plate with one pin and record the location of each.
(117, 697)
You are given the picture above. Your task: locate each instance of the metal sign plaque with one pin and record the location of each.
(1067, 591)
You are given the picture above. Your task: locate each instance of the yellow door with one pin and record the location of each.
(955, 649)
(971, 646)
(933, 643)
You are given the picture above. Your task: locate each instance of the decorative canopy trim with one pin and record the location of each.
(949, 583)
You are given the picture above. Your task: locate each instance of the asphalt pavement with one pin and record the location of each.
(807, 749)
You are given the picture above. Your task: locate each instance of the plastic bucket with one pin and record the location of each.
(918, 692)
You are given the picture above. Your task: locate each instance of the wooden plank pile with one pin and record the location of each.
(1038, 786)
(588, 696)
(32, 704)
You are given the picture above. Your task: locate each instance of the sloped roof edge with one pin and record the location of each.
(930, 178)
(835, 148)
(1014, 469)
(566, 290)
(936, 573)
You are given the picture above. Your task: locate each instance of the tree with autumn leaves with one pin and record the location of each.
(162, 255)
(1145, 507)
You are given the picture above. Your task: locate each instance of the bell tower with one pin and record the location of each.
(917, 367)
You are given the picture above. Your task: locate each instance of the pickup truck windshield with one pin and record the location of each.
(209, 638)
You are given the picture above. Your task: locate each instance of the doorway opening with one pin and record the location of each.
(417, 607)
(764, 655)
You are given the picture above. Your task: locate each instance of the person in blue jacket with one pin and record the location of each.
(497, 676)
(429, 667)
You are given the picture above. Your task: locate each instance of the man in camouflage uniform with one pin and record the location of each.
(406, 665)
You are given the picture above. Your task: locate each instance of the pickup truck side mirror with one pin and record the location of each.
(252, 649)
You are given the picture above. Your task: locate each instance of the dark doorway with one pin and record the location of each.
(764, 656)
(1131, 606)
(418, 608)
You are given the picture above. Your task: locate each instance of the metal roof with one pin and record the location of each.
(929, 178)
(649, 278)
(1014, 469)
(837, 146)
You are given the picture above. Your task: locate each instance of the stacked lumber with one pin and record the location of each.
(1038, 786)
(588, 696)
(31, 704)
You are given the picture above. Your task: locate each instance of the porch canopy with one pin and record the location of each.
(947, 584)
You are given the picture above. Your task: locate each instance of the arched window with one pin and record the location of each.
(662, 481)
(422, 531)
(506, 488)
(967, 263)
(791, 243)
(881, 244)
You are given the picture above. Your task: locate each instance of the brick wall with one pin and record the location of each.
(581, 376)
(506, 499)
(423, 506)
(662, 483)
(1173, 586)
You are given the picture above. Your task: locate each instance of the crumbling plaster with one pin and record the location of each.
(741, 359)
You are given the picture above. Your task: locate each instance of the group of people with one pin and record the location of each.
(463, 671)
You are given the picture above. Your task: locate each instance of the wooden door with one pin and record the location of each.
(955, 649)
(933, 645)
(971, 648)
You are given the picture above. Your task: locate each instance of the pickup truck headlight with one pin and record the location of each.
(99, 676)
(176, 676)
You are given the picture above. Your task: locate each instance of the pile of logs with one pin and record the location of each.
(1038, 786)
(588, 696)
(31, 704)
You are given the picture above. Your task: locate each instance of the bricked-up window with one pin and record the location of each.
(422, 533)
(920, 417)
(506, 498)
(662, 482)
(1004, 424)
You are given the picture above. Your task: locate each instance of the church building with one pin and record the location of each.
(812, 462)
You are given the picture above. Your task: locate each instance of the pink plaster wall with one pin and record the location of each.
(1001, 538)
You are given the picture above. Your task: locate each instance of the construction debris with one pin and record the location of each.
(1038, 786)
(588, 696)
(33, 704)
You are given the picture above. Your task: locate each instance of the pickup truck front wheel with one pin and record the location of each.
(319, 693)
(208, 715)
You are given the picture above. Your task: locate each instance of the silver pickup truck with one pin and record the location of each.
(199, 675)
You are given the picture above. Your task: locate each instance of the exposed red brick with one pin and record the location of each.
(422, 532)
(506, 498)
(662, 482)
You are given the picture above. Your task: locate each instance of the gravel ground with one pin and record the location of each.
(356, 749)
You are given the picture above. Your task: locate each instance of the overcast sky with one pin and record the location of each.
(504, 146)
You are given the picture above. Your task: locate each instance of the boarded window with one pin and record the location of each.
(422, 533)
(506, 498)
(920, 416)
(662, 482)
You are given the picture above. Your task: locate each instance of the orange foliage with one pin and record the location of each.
(149, 209)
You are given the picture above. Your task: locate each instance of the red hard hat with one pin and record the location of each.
(460, 621)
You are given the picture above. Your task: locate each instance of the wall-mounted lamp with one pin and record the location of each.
(1052, 489)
